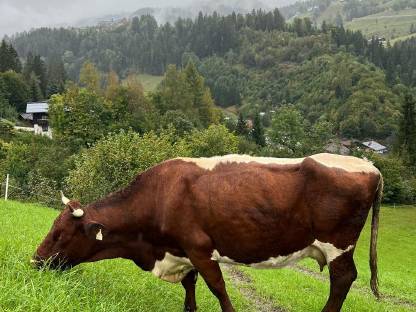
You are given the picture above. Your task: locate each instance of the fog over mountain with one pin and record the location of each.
(23, 15)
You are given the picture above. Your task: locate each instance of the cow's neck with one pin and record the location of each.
(128, 228)
(127, 209)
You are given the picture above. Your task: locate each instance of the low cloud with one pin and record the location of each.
(23, 15)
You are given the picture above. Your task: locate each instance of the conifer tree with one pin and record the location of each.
(9, 60)
(56, 76)
(35, 92)
(258, 131)
(241, 128)
(202, 100)
(39, 68)
(35, 66)
(28, 68)
(407, 133)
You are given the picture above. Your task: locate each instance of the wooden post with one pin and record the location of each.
(7, 187)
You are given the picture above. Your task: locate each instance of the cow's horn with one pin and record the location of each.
(78, 213)
(64, 199)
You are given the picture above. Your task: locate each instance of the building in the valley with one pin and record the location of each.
(375, 147)
(37, 116)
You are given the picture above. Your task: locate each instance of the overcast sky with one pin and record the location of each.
(20, 15)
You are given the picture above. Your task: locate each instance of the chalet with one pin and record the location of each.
(375, 147)
(37, 116)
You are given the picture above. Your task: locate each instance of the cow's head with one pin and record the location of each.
(74, 238)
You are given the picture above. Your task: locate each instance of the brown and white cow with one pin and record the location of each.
(187, 215)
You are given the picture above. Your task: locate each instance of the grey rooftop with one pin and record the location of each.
(39, 107)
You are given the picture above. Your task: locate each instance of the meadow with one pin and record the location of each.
(388, 24)
(118, 285)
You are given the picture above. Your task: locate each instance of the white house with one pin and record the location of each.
(375, 147)
(37, 115)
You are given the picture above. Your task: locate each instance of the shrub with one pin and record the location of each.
(37, 167)
(114, 161)
(214, 141)
(43, 190)
(399, 182)
(6, 129)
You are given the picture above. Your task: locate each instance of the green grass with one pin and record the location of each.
(149, 82)
(397, 272)
(112, 285)
(118, 285)
(390, 24)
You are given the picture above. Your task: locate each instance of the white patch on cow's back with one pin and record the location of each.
(171, 268)
(347, 163)
(212, 162)
(324, 253)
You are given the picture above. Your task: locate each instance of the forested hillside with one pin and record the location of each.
(293, 86)
(143, 45)
(249, 61)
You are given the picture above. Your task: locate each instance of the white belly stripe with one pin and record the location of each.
(318, 250)
(174, 269)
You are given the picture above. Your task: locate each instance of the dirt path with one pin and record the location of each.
(243, 283)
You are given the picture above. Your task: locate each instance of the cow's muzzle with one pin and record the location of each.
(52, 263)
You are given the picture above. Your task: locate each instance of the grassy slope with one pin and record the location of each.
(149, 82)
(118, 285)
(397, 272)
(113, 285)
(390, 24)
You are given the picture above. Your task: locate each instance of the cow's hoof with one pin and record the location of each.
(189, 309)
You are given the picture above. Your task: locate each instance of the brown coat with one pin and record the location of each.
(187, 215)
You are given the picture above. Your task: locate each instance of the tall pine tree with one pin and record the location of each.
(36, 76)
(258, 131)
(9, 60)
(407, 133)
(241, 128)
(56, 76)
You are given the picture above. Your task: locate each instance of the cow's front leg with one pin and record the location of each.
(211, 272)
(189, 284)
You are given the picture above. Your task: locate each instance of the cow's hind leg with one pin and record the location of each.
(211, 272)
(342, 274)
(189, 284)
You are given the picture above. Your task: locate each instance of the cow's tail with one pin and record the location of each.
(374, 233)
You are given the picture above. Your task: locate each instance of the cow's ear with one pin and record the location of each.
(96, 231)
